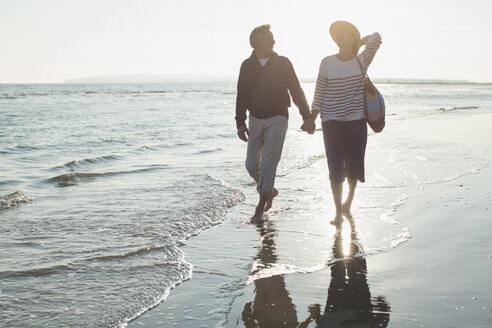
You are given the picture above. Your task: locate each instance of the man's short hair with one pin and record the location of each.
(258, 30)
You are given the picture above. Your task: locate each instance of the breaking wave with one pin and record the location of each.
(14, 199)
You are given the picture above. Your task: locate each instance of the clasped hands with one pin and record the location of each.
(308, 126)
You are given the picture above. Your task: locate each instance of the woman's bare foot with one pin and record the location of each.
(269, 201)
(337, 219)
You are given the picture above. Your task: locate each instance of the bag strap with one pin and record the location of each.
(366, 79)
(364, 72)
(369, 86)
(363, 80)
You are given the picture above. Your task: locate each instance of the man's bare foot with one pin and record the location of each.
(257, 217)
(337, 219)
(269, 201)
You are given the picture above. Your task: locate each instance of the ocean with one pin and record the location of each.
(102, 184)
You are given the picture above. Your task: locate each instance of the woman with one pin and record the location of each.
(339, 97)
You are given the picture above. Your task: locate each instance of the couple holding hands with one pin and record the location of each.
(265, 81)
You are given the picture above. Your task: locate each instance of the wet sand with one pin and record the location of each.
(439, 278)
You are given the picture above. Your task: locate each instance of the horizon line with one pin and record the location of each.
(148, 78)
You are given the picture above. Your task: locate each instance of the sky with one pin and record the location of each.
(50, 41)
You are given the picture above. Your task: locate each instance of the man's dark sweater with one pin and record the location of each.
(264, 91)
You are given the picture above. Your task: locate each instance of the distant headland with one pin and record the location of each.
(151, 78)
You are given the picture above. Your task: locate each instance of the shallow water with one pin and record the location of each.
(101, 184)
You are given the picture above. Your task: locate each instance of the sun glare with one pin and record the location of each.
(346, 239)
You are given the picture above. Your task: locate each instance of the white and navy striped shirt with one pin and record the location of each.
(339, 93)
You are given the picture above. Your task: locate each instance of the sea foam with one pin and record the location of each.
(14, 199)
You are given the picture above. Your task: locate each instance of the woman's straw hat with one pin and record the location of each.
(343, 25)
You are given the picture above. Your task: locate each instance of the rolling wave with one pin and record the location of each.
(7, 182)
(37, 272)
(208, 151)
(86, 161)
(128, 254)
(73, 179)
(23, 94)
(19, 148)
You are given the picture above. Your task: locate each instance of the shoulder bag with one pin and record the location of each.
(374, 107)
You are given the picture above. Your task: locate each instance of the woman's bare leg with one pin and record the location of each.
(337, 191)
(350, 197)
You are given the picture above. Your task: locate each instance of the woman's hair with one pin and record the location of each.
(257, 30)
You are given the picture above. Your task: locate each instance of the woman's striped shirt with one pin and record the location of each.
(339, 93)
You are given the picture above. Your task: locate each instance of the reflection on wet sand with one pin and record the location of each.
(349, 302)
(272, 306)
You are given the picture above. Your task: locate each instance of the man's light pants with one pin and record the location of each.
(265, 143)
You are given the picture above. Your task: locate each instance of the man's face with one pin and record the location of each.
(264, 40)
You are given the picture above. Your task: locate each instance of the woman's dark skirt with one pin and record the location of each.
(345, 146)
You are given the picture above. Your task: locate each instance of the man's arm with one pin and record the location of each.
(242, 104)
(297, 93)
(299, 99)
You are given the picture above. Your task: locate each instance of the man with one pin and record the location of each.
(263, 87)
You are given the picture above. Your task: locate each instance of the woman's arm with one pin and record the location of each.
(319, 90)
(372, 43)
